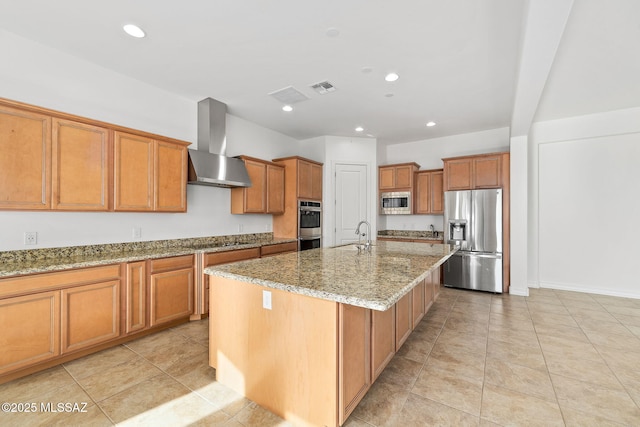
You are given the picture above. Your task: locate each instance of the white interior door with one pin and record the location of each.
(351, 201)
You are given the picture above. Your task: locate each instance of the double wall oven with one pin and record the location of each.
(309, 225)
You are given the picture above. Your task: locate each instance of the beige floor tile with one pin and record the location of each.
(117, 378)
(467, 326)
(519, 378)
(93, 417)
(419, 411)
(635, 330)
(517, 353)
(356, 422)
(622, 309)
(463, 341)
(415, 348)
(166, 350)
(582, 305)
(552, 319)
(223, 398)
(468, 307)
(509, 408)
(90, 416)
(193, 372)
(565, 332)
(427, 331)
(587, 370)
(401, 371)
(519, 311)
(627, 342)
(453, 390)
(27, 388)
(627, 320)
(469, 365)
(602, 326)
(158, 401)
(528, 338)
(619, 361)
(573, 296)
(543, 307)
(544, 300)
(591, 314)
(522, 323)
(576, 418)
(196, 330)
(475, 297)
(614, 405)
(569, 348)
(95, 363)
(382, 403)
(608, 300)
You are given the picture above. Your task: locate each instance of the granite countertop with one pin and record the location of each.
(16, 263)
(375, 280)
(411, 234)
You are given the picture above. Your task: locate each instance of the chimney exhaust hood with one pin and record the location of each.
(208, 165)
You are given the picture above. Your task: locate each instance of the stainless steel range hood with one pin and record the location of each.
(208, 165)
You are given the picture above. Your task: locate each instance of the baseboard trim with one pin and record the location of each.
(587, 290)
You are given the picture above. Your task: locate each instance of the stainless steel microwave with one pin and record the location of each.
(395, 203)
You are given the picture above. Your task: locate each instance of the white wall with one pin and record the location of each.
(429, 154)
(35, 74)
(587, 203)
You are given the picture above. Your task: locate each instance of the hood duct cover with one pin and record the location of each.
(208, 165)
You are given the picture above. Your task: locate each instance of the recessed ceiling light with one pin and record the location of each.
(366, 70)
(287, 108)
(332, 32)
(133, 31)
(359, 129)
(391, 77)
(388, 95)
(431, 124)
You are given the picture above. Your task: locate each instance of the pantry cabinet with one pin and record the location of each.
(397, 177)
(266, 194)
(429, 192)
(25, 144)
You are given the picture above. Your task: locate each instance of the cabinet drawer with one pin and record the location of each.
(173, 263)
(278, 249)
(46, 281)
(216, 258)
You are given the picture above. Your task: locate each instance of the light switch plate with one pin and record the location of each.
(266, 300)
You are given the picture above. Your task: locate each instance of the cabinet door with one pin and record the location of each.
(316, 182)
(80, 167)
(90, 315)
(275, 189)
(417, 297)
(428, 292)
(383, 339)
(437, 193)
(386, 178)
(458, 174)
(170, 181)
(134, 172)
(171, 296)
(135, 297)
(404, 320)
(354, 357)
(487, 172)
(305, 180)
(423, 193)
(25, 162)
(254, 196)
(404, 176)
(30, 328)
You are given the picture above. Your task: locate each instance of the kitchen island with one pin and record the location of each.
(305, 334)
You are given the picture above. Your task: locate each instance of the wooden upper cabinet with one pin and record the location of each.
(134, 172)
(309, 180)
(81, 166)
(397, 177)
(471, 172)
(25, 159)
(266, 194)
(170, 177)
(316, 181)
(429, 193)
(150, 175)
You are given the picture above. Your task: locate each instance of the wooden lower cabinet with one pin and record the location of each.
(30, 328)
(418, 306)
(383, 340)
(279, 248)
(354, 357)
(170, 289)
(404, 319)
(135, 289)
(90, 315)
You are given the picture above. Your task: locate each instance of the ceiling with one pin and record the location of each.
(457, 60)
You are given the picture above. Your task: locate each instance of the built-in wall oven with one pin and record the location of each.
(309, 225)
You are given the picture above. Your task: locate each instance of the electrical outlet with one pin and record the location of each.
(266, 300)
(31, 238)
(137, 233)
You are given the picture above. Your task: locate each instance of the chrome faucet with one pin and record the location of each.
(367, 245)
(433, 230)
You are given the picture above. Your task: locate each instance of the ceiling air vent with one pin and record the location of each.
(289, 95)
(323, 87)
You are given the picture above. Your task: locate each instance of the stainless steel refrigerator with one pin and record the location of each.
(473, 221)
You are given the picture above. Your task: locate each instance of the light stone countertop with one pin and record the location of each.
(58, 259)
(375, 280)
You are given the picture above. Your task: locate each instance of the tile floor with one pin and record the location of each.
(553, 358)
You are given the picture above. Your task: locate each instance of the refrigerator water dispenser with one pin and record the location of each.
(458, 230)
